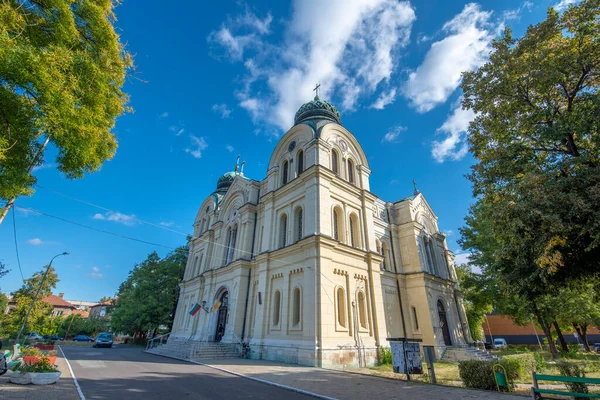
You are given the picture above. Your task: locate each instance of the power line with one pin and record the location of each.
(109, 210)
(16, 245)
(94, 229)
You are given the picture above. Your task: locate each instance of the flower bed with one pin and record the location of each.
(39, 373)
(44, 346)
(29, 360)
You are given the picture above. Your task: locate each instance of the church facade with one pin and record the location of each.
(308, 266)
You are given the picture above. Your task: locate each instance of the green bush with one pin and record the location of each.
(521, 365)
(577, 371)
(540, 362)
(385, 356)
(479, 374)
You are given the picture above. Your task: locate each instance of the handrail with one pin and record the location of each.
(150, 344)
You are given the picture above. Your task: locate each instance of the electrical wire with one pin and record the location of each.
(94, 229)
(16, 243)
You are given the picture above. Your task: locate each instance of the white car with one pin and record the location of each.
(500, 343)
(34, 336)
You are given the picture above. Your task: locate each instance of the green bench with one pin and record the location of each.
(536, 392)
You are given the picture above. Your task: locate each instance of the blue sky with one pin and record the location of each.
(212, 81)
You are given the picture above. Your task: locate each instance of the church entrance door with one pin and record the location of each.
(222, 317)
(444, 323)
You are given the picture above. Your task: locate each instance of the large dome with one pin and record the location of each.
(317, 109)
(226, 180)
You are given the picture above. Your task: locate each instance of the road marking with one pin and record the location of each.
(291, 388)
(72, 374)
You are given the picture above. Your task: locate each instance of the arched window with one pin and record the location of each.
(335, 162)
(341, 307)
(350, 171)
(298, 228)
(231, 239)
(285, 172)
(276, 307)
(354, 232)
(430, 255)
(336, 224)
(362, 310)
(200, 264)
(195, 269)
(415, 318)
(300, 160)
(283, 231)
(296, 309)
(202, 225)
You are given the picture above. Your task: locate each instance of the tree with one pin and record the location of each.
(62, 67)
(105, 299)
(478, 298)
(23, 297)
(536, 138)
(145, 300)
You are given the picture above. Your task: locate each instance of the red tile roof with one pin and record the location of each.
(83, 313)
(56, 301)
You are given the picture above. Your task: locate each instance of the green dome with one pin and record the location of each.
(317, 109)
(226, 180)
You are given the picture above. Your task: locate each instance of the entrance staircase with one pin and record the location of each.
(458, 353)
(184, 349)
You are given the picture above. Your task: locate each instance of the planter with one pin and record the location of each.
(36, 378)
(44, 346)
(35, 359)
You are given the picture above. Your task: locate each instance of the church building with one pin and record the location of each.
(308, 266)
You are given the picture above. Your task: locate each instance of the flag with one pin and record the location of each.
(195, 309)
(216, 306)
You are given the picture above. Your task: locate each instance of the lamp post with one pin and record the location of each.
(36, 294)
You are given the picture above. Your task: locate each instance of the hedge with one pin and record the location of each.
(478, 374)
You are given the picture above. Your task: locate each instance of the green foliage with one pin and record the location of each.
(479, 374)
(522, 364)
(39, 319)
(148, 297)
(540, 362)
(577, 371)
(478, 298)
(62, 67)
(385, 356)
(41, 366)
(31, 351)
(81, 326)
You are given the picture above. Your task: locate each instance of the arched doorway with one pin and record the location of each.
(222, 316)
(444, 323)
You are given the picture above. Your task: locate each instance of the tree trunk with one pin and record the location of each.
(582, 332)
(548, 333)
(563, 343)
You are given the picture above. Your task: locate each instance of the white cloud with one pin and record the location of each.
(384, 99)
(454, 146)
(461, 258)
(515, 14)
(167, 223)
(118, 217)
(465, 48)
(393, 134)
(95, 269)
(354, 53)
(394, 182)
(176, 129)
(564, 4)
(163, 115)
(199, 143)
(44, 166)
(223, 110)
(449, 232)
(230, 148)
(95, 275)
(236, 35)
(39, 242)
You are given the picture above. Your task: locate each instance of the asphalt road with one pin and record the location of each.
(125, 372)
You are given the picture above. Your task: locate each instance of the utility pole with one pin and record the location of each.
(37, 294)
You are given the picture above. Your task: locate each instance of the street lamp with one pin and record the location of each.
(37, 293)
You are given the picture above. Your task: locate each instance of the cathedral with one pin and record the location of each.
(308, 266)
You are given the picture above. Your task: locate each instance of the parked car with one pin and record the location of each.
(500, 343)
(104, 339)
(82, 338)
(597, 347)
(34, 336)
(52, 337)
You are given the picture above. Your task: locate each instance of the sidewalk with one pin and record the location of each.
(64, 389)
(344, 385)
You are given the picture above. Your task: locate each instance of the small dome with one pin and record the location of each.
(226, 180)
(317, 109)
